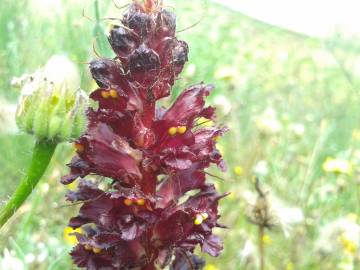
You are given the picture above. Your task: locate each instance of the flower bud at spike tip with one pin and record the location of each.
(53, 108)
(149, 5)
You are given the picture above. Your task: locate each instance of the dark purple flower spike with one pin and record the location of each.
(153, 156)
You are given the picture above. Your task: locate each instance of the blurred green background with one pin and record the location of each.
(292, 105)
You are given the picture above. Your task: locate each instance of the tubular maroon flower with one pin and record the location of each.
(152, 155)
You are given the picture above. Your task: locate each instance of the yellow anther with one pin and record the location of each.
(140, 202)
(79, 147)
(96, 250)
(87, 247)
(204, 216)
(172, 131)
(238, 170)
(181, 129)
(105, 94)
(113, 93)
(198, 220)
(128, 202)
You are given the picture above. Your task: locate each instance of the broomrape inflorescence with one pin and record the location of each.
(152, 155)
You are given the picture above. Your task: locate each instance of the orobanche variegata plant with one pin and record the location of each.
(149, 156)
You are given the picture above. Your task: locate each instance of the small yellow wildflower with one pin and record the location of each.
(232, 196)
(348, 245)
(70, 237)
(352, 217)
(356, 134)
(267, 239)
(289, 266)
(337, 166)
(211, 267)
(226, 73)
(238, 170)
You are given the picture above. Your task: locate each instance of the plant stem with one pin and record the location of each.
(99, 31)
(43, 151)
(261, 248)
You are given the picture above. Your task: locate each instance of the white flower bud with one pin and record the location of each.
(51, 105)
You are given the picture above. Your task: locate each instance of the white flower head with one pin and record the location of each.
(297, 129)
(261, 168)
(7, 117)
(287, 216)
(248, 254)
(339, 236)
(268, 123)
(223, 104)
(61, 70)
(9, 261)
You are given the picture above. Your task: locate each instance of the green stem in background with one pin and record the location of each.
(99, 32)
(261, 247)
(43, 151)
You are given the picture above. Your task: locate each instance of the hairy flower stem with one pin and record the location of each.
(261, 248)
(43, 151)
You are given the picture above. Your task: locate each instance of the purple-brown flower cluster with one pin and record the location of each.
(152, 156)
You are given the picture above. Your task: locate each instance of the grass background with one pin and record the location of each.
(305, 81)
